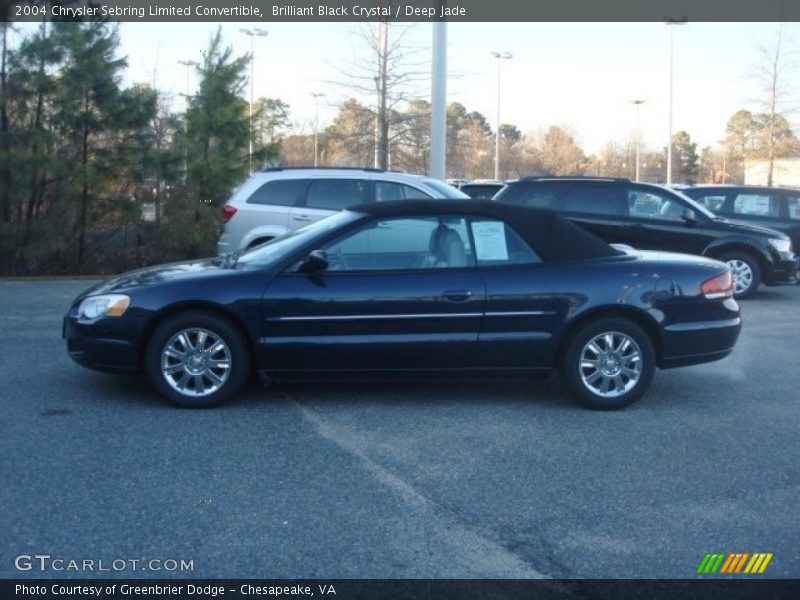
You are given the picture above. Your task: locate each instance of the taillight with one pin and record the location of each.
(718, 286)
(227, 212)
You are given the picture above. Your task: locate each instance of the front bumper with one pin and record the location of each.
(101, 345)
(782, 271)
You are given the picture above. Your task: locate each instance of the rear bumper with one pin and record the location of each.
(699, 342)
(98, 346)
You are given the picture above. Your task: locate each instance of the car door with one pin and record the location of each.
(525, 301)
(326, 195)
(655, 222)
(388, 301)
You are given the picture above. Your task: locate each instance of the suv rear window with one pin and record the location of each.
(597, 200)
(390, 190)
(711, 201)
(757, 204)
(337, 194)
(523, 193)
(794, 207)
(279, 192)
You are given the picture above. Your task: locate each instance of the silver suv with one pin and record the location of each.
(277, 200)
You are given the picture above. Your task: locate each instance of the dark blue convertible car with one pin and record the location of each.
(411, 289)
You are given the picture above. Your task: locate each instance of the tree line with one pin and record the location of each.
(96, 177)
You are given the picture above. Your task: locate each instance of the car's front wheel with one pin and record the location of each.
(197, 359)
(608, 363)
(746, 273)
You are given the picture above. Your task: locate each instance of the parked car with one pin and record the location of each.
(279, 199)
(653, 217)
(776, 208)
(413, 289)
(482, 190)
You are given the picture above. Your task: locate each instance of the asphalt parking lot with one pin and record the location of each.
(496, 480)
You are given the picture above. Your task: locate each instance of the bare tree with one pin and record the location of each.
(773, 72)
(385, 73)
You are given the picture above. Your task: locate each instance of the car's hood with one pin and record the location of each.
(200, 269)
(750, 228)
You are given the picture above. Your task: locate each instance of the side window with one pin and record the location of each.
(715, 203)
(390, 190)
(402, 244)
(598, 200)
(496, 244)
(336, 194)
(793, 207)
(652, 205)
(537, 195)
(480, 192)
(279, 192)
(760, 205)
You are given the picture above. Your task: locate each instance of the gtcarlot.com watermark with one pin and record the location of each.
(45, 563)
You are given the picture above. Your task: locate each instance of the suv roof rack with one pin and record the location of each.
(312, 168)
(573, 177)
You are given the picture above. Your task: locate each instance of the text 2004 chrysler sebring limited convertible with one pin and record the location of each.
(407, 290)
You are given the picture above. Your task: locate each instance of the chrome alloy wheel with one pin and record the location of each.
(610, 364)
(742, 275)
(195, 362)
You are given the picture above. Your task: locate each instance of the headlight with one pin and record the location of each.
(110, 305)
(780, 245)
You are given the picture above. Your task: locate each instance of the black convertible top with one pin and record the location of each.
(553, 237)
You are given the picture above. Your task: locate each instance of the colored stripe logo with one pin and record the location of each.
(735, 562)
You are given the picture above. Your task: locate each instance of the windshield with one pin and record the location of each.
(276, 249)
(696, 206)
(446, 190)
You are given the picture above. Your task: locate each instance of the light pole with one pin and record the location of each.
(500, 56)
(438, 100)
(317, 96)
(253, 33)
(671, 22)
(638, 104)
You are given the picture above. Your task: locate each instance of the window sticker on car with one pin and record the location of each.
(490, 240)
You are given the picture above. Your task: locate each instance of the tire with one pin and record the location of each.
(214, 375)
(586, 382)
(743, 265)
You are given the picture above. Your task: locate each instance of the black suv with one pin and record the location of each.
(776, 208)
(652, 217)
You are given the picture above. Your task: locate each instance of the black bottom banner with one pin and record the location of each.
(412, 589)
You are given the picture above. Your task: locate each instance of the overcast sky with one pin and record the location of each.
(580, 74)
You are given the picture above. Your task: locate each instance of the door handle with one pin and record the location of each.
(457, 295)
(301, 218)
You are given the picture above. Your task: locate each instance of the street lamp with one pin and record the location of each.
(638, 104)
(671, 82)
(188, 64)
(253, 33)
(500, 56)
(317, 96)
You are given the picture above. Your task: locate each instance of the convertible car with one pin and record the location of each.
(412, 290)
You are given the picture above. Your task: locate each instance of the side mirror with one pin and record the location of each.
(688, 216)
(315, 262)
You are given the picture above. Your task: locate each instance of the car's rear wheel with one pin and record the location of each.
(197, 360)
(746, 273)
(608, 363)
